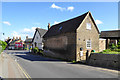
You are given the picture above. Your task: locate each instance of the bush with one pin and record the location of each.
(117, 50)
(107, 50)
(3, 44)
(0, 49)
(41, 51)
(35, 50)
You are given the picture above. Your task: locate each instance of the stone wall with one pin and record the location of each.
(102, 44)
(105, 60)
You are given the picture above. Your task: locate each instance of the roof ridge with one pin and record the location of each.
(72, 18)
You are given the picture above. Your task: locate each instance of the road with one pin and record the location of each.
(41, 67)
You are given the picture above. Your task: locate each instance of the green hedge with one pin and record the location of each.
(35, 50)
(3, 44)
(0, 49)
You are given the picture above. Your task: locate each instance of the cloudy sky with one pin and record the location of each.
(21, 18)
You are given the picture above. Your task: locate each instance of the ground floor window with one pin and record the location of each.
(88, 44)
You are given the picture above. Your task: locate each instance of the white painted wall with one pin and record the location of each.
(38, 41)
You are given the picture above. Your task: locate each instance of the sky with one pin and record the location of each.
(21, 18)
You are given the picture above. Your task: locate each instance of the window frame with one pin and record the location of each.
(88, 26)
(90, 45)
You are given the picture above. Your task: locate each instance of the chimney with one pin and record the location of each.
(48, 26)
(8, 37)
(13, 38)
(19, 38)
(26, 37)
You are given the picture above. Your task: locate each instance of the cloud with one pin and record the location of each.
(56, 22)
(26, 30)
(57, 7)
(15, 34)
(71, 8)
(98, 22)
(6, 22)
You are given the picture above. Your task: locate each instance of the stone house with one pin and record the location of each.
(66, 38)
(37, 40)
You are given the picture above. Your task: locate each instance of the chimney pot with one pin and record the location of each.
(26, 37)
(48, 26)
(19, 38)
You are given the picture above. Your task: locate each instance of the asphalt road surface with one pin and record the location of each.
(41, 67)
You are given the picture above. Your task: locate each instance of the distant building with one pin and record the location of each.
(37, 40)
(16, 43)
(28, 42)
(66, 38)
(112, 36)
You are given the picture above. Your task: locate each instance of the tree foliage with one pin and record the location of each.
(118, 45)
(3, 44)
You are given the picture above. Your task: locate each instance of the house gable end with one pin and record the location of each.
(89, 15)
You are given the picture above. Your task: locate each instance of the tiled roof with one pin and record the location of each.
(40, 31)
(110, 34)
(66, 26)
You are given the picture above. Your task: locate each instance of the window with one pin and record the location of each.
(37, 37)
(88, 26)
(88, 44)
(60, 28)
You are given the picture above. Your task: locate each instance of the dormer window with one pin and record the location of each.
(88, 26)
(60, 28)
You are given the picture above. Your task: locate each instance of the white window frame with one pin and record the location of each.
(88, 26)
(88, 44)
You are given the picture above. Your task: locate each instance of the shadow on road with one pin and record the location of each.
(32, 57)
(111, 68)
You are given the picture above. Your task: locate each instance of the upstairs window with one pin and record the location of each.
(88, 44)
(60, 28)
(88, 26)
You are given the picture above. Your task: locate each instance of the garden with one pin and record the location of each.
(113, 49)
(36, 50)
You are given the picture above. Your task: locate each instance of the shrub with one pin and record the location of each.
(35, 50)
(3, 44)
(118, 45)
(117, 50)
(41, 51)
(107, 50)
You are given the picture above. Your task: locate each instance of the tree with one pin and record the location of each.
(118, 45)
(3, 44)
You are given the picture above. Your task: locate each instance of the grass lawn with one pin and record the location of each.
(111, 52)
